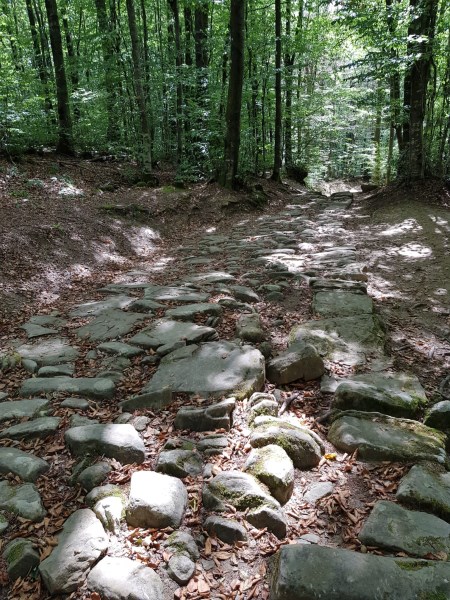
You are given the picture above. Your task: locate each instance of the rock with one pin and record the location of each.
(438, 416)
(21, 558)
(4, 524)
(80, 545)
(212, 444)
(30, 365)
(342, 285)
(110, 324)
(166, 332)
(426, 488)
(3, 396)
(211, 277)
(245, 294)
(249, 328)
(115, 578)
(262, 405)
(303, 446)
(241, 490)
(53, 351)
(79, 403)
(309, 538)
(214, 416)
(266, 516)
(110, 511)
(380, 437)
(34, 330)
(180, 568)
(27, 466)
(96, 307)
(120, 349)
(174, 294)
(54, 371)
(155, 500)
(299, 361)
(213, 369)
(313, 572)
(37, 428)
(80, 421)
(155, 400)
(190, 311)
(179, 463)
(397, 395)
(104, 491)
(140, 423)
(145, 306)
(121, 442)
(91, 387)
(19, 409)
(345, 339)
(399, 530)
(23, 500)
(273, 467)
(93, 476)
(341, 304)
(318, 490)
(227, 530)
(182, 542)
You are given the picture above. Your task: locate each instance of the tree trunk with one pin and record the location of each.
(233, 114)
(173, 4)
(39, 62)
(72, 62)
(65, 137)
(276, 176)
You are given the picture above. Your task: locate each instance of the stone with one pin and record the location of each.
(110, 511)
(243, 293)
(265, 516)
(166, 332)
(438, 416)
(155, 500)
(397, 529)
(140, 422)
(190, 311)
(182, 542)
(22, 500)
(208, 418)
(380, 437)
(19, 409)
(155, 400)
(94, 475)
(96, 307)
(112, 440)
(266, 406)
(211, 277)
(273, 467)
(3, 396)
(120, 578)
(317, 491)
(312, 572)
(34, 330)
(79, 403)
(179, 463)
(426, 488)
(4, 524)
(341, 304)
(249, 328)
(213, 369)
(120, 349)
(299, 361)
(27, 466)
(145, 306)
(212, 445)
(80, 545)
(28, 430)
(304, 447)
(345, 339)
(91, 387)
(180, 568)
(54, 371)
(227, 530)
(52, 351)
(342, 285)
(109, 324)
(174, 294)
(398, 395)
(80, 421)
(101, 492)
(241, 490)
(21, 558)
(30, 365)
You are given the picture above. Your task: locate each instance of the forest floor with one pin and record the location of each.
(69, 227)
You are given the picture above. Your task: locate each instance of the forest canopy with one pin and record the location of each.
(355, 88)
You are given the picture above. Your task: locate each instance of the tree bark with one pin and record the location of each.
(39, 61)
(173, 4)
(276, 174)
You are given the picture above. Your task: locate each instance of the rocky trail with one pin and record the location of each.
(252, 427)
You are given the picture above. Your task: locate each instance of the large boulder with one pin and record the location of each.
(299, 361)
(121, 442)
(273, 467)
(336, 303)
(427, 488)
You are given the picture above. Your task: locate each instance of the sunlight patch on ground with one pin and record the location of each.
(161, 263)
(211, 229)
(142, 240)
(414, 250)
(408, 225)
(103, 253)
(381, 289)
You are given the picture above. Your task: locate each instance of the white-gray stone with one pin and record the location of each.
(27, 466)
(299, 361)
(318, 490)
(110, 324)
(28, 430)
(23, 500)
(91, 387)
(52, 351)
(113, 440)
(19, 409)
(273, 467)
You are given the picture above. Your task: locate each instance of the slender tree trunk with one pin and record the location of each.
(276, 174)
(38, 58)
(376, 176)
(65, 137)
(233, 116)
(72, 62)
(146, 155)
(173, 4)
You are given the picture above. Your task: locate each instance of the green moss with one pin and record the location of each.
(411, 565)
(168, 189)
(15, 551)
(433, 596)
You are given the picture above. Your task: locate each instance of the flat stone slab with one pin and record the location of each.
(19, 409)
(91, 387)
(110, 324)
(27, 466)
(342, 285)
(299, 361)
(341, 304)
(397, 529)
(208, 418)
(36, 428)
(211, 277)
(120, 349)
(174, 294)
(33, 330)
(179, 463)
(227, 530)
(272, 467)
(167, 332)
(345, 339)
(190, 311)
(303, 446)
(213, 369)
(380, 437)
(398, 395)
(120, 578)
(23, 500)
(311, 572)
(52, 351)
(318, 490)
(55, 370)
(156, 500)
(427, 489)
(81, 543)
(243, 293)
(96, 307)
(118, 441)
